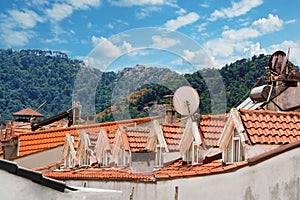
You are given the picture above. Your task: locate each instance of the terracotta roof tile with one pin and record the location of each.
(173, 134)
(271, 127)
(174, 170)
(137, 138)
(211, 127)
(45, 139)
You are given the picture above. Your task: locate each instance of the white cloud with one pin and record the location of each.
(126, 46)
(54, 40)
(254, 50)
(270, 24)
(180, 21)
(59, 11)
(292, 21)
(236, 9)
(110, 26)
(84, 4)
(181, 11)
(105, 47)
(204, 5)
(202, 27)
(294, 52)
(129, 3)
(89, 25)
(163, 42)
(237, 41)
(25, 19)
(146, 11)
(15, 28)
(198, 58)
(16, 38)
(240, 34)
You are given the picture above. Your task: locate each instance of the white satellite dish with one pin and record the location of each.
(186, 100)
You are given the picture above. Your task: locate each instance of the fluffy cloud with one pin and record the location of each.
(105, 47)
(128, 3)
(16, 38)
(237, 41)
(146, 11)
(198, 58)
(163, 42)
(240, 34)
(84, 4)
(294, 53)
(59, 11)
(15, 27)
(180, 21)
(236, 9)
(270, 24)
(25, 19)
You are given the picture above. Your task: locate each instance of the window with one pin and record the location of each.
(69, 161)
(195, 153)
(123, 159)
(104, 158)
(234, 151)
(192, 154)
(85, 160)
(159, 156)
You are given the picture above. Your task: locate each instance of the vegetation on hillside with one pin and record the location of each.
(30, 77)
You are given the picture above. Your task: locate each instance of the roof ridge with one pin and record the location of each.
(261, 111)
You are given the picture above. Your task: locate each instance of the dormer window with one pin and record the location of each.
(69, 161)
(159, 155)
(192, 154)
(123, 158)
(85, 160)
(234, 150)
(104, 158)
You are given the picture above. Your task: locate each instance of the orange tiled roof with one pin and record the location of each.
(270, 127)
(137, 138)
(121, 173)
(173, 134)
(174, 170)
(45, 139)
(211, 127)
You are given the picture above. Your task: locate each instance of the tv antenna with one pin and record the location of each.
(186, 100)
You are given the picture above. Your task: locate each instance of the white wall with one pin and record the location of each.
(14, 187)
(276, 178)
(41, 159)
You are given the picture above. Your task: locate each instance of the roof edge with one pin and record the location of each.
(272, 153)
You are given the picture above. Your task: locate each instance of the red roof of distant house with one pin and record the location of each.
(271, 127)
(28, 112)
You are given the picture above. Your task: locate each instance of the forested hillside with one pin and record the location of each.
(30, 77)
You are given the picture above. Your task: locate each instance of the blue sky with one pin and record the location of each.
(182, 35)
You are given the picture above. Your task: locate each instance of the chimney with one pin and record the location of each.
(8, 127)
(171, 114)
(142, 162)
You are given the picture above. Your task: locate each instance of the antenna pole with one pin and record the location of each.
(41, 105)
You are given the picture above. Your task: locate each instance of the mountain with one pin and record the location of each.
(30, 77)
